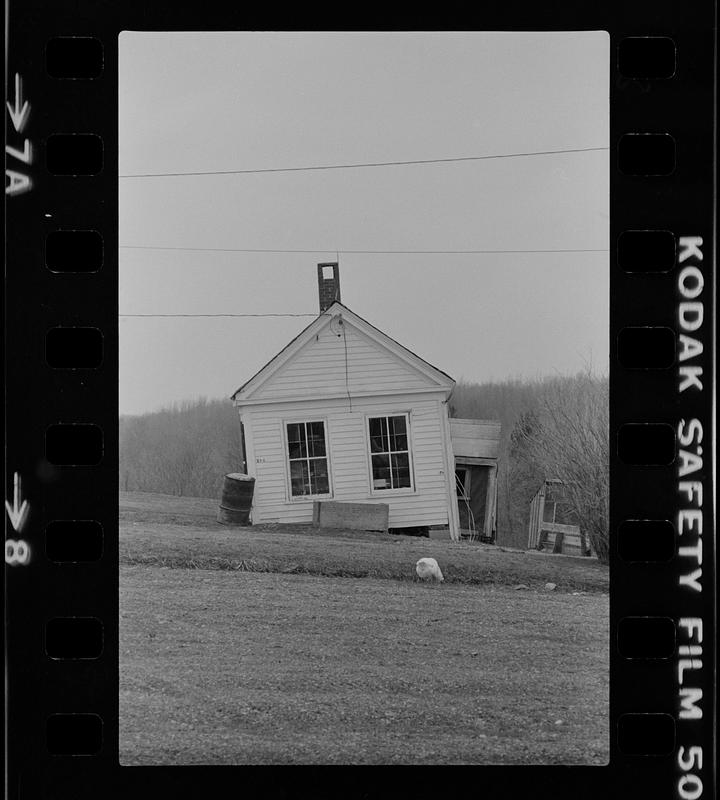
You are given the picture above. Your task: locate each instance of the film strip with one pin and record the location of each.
(62, 412)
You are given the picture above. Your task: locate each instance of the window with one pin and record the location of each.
(307, 456)
(389, 452)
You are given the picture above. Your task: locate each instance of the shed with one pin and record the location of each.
(476, 444)
(550, 527)
(345, 413)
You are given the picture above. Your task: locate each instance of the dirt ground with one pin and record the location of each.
(284, 645)
(236, 667)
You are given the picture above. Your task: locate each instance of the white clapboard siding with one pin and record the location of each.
(348, 454)
(321, 368)
(475, 438)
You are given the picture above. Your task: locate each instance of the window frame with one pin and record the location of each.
(286, 455)
(465, 495)
(400, 490)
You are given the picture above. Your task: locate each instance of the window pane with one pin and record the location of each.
(316, 439)
(398, 442)
(376, 425)
(398, 433)
(397, 425)
(297, 446)
(381, 472)
(316, 429)
(400, 470)
(378, 435)
(299, 478)
(376, 444)
(319, 481)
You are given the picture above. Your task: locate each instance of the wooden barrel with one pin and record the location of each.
(236, 500)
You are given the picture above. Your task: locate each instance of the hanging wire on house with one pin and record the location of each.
(347, 374)
(362, 165)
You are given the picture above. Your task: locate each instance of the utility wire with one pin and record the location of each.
(217, 315)
(377, 252)
(357, 166)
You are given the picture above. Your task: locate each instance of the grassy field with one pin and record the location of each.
(159, 530)
(279, 646)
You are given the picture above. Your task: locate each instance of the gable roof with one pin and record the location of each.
(435, 375)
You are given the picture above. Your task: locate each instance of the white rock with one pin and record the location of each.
(428, 570)
(550, 586)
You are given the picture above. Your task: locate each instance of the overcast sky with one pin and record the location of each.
(204, 102)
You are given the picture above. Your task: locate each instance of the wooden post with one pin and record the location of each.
(530, 523)
(250, 464)
(450, 490)
(584, 545)
(541, 512)
(494, 513)
(532, 510)
(490, 498)
(243, 458)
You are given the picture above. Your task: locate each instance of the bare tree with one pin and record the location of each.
(183, 450)
(570, 442)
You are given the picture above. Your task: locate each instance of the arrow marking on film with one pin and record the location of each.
(17, 513)
(24, 155)
(18, 112)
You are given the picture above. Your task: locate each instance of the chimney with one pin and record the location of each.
(328, 285)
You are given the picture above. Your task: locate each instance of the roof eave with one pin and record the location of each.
(337, 305)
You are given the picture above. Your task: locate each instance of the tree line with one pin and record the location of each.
(552, 428)
(185, 449)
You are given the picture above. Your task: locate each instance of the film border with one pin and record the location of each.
(40, 589)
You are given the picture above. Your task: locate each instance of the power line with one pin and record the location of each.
(217, 315)
(359, 252)
(358, 166)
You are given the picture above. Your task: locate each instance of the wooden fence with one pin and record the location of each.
(547, 534)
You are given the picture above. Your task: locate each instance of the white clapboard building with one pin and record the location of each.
(344, 413)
